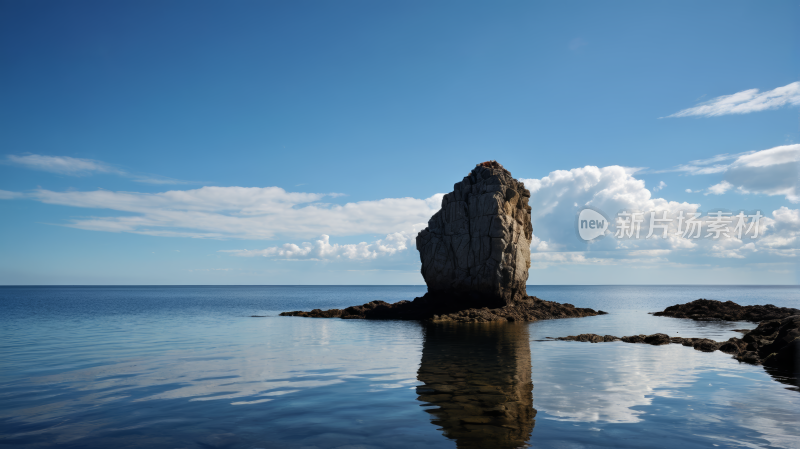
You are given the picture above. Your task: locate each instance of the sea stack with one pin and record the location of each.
(475, 257)
(476, 249)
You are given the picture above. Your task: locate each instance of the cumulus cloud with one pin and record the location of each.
(241, 212)
(557, 198)
(745, 102)
(660, 186)
(719, 189)
(72, 166)
(322, 249)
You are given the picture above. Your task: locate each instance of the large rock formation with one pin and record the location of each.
(477, 247)
(475, 256)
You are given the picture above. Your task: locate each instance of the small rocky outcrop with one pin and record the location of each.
(774, 343)
(711, 310)
(530, 308)
(477, 247)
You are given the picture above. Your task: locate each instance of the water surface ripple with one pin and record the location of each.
(189, 367)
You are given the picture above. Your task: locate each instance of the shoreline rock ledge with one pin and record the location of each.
(475, 256)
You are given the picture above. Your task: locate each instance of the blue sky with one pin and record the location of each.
(357, 114)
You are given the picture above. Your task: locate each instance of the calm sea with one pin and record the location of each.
(188, 367)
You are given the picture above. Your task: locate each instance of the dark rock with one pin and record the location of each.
(657, 339)
(705, 345)
(774, 343)
(591, 338)
(477, 247)
(729, 347)
(711, 310)
(634, 338)
(529, 309)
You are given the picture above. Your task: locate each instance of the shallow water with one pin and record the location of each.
(188, 367)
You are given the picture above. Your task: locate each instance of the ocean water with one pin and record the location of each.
(190, 367)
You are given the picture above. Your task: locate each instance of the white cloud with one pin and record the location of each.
(745, 102)
(557, 198)
(322, 249)
(768, 172)
(660, 186)
(72, 166)
(6, 195)
(719, 189)
(688, 190)
(64, 165)
(241, 212)
(297, 219)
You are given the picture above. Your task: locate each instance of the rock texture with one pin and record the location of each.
(710, 310)
(427, 308)
(477, 247)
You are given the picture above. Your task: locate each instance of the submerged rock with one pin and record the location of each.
(711, 310)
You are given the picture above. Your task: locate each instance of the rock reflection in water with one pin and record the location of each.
(479, 376)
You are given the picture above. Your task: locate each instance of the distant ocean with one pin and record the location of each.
(189, 367)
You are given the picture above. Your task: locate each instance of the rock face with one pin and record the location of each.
(477, 247)
(710, 310)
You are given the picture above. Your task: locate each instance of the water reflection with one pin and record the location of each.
(479, 377)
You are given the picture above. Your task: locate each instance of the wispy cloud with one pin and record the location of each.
(745, 102)
(64, 165)
(660, 186)
(72, 166)
(769, 172)
(239, 212)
